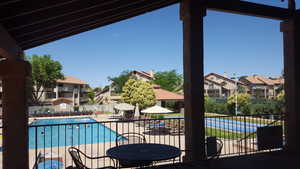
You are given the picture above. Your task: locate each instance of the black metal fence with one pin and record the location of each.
(49, 143)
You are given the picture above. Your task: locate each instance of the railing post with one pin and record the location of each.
(245, 131)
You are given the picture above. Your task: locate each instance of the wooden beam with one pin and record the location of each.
(291, 39)
(249, 8)
(61, 11)
(8, 2)
(97, 12)
(21, 8)
(92, 25)
(192, 13)
(8, 46)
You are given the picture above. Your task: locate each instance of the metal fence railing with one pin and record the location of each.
(49, 139)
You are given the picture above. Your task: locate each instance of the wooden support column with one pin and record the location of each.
(192, 13)
(14, 74)
(291, 39)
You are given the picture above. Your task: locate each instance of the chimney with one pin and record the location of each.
(151, 72)
(225, 74)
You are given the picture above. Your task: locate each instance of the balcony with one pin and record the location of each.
(65, 89)
(238, 134)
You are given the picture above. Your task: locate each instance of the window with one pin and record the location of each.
(76, 95)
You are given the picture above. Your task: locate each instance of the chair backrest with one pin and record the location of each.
(75, 154)
(213, 147)
(130, 138)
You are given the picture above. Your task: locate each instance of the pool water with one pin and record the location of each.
(226, 124)
(65, 132)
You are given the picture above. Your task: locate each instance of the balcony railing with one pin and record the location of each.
(93, 138)
(65, 89)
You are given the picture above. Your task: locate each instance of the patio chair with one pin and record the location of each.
(75, 154)
(213, 147)
(131, 138)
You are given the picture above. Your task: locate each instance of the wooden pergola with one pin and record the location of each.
(25, 24)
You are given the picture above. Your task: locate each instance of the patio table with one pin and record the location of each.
(144, 152)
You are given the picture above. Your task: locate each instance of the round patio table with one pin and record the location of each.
(143, 152)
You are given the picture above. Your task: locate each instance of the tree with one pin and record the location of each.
(168, 80)
(91, 95)
(119, 81)
(45, 73)
(243, 100)
(137, 91)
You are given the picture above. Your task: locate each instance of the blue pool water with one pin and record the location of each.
(231, 125)
(70, 134)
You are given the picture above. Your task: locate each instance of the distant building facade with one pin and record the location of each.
(72, 89)
(262, 87)
(219, 86)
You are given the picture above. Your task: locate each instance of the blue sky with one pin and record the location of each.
(233, 43)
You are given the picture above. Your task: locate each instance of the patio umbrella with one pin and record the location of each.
(137, 111)
(156, 110)
(124, 107)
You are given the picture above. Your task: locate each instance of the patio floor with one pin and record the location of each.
(270, 160)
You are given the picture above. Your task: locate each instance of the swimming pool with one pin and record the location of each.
(226, 124)
(68, 131)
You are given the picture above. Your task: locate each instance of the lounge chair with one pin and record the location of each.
(75, 154)
(131, 138)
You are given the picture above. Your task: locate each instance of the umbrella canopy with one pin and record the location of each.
(156, 110)
(124, 107)
(137, 111)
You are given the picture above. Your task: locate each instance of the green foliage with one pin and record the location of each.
(45, 73)
(168, 80)
(119, 81)
(137, 91)
(157, 116)
(241, 89)
(91, 95)
(211, 106)
(281, 97)
(243, 100)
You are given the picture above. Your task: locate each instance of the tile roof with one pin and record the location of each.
(71, 80)
(222, 77)
(258, 79)
(162, 94)
(143, 73)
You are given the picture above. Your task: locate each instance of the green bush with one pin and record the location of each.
(157, 116)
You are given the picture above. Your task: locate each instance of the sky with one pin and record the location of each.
(233, 44)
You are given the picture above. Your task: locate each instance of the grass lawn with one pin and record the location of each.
(225, 134)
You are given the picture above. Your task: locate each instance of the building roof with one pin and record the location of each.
(221, 77)
(71, 80)
(162, 94)
(258, 79)
(142, 73)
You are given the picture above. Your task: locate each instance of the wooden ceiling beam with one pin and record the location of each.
(63, 11)
(249, 8)
(27, 7)
(86, 27)
(84, 16)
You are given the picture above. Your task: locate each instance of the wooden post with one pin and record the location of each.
(14, 74)
(192, 13)
(291, 39)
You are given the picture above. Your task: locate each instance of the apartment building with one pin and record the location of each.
(216, 85)
(71, 90)
(262, 87)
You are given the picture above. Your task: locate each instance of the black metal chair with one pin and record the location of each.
(131, 138)
(75, 154)
(214, 147)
